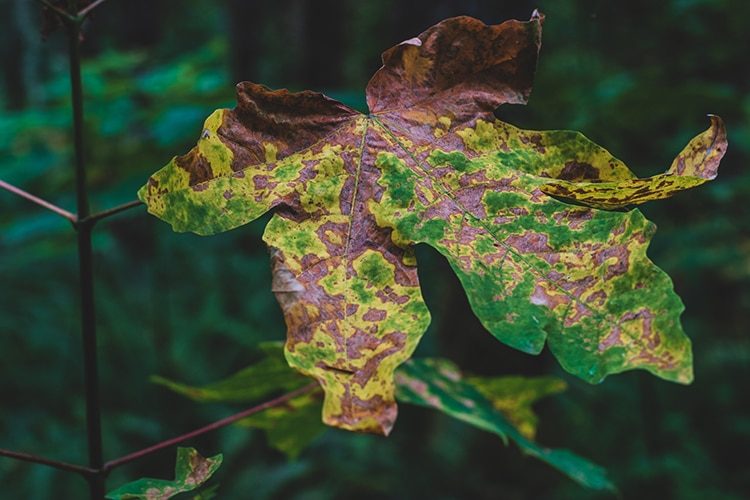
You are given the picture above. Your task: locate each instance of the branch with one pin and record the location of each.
(67, 16)
(87, 10)
(110, 212)
(27, 457)
(89, 472)
(208, 428)
(42, 203)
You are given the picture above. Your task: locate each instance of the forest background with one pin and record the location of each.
(637, 77)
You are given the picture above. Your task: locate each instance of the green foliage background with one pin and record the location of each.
(637, 77)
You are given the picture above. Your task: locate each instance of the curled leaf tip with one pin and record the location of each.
(601, 186)
(702, 156)
(458, 61)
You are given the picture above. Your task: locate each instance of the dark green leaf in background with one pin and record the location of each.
(438, 384)
(500, 405)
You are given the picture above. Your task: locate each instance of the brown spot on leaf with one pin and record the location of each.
(611, 340)
(196, 165)
(619, 254)
(578, 171)
(543, 298)
(533, 243)
(373, 314)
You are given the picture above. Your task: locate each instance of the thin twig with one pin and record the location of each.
(87, 10)
(60, 12)
(35, 459)
(208, 428)
(42, 203)
(111, 211)
(91, 473)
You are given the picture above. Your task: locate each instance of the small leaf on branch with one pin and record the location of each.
(191, 471)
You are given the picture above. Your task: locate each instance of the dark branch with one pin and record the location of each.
(91, 473)
(66, 16)
(27, 457)
(42, 203)
(97, 484)
(208, 428)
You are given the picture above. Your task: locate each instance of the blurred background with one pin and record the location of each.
(637, 77)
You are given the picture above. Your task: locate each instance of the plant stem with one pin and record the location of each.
(77, 96)
(28, 457)
(208, 428)
(42, 203)
(86, 272)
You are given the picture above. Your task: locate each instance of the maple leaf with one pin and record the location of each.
(353, 193)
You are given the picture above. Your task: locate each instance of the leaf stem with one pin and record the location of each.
(208, 428)
(110, 212)
(56, 464)
(39, 201)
